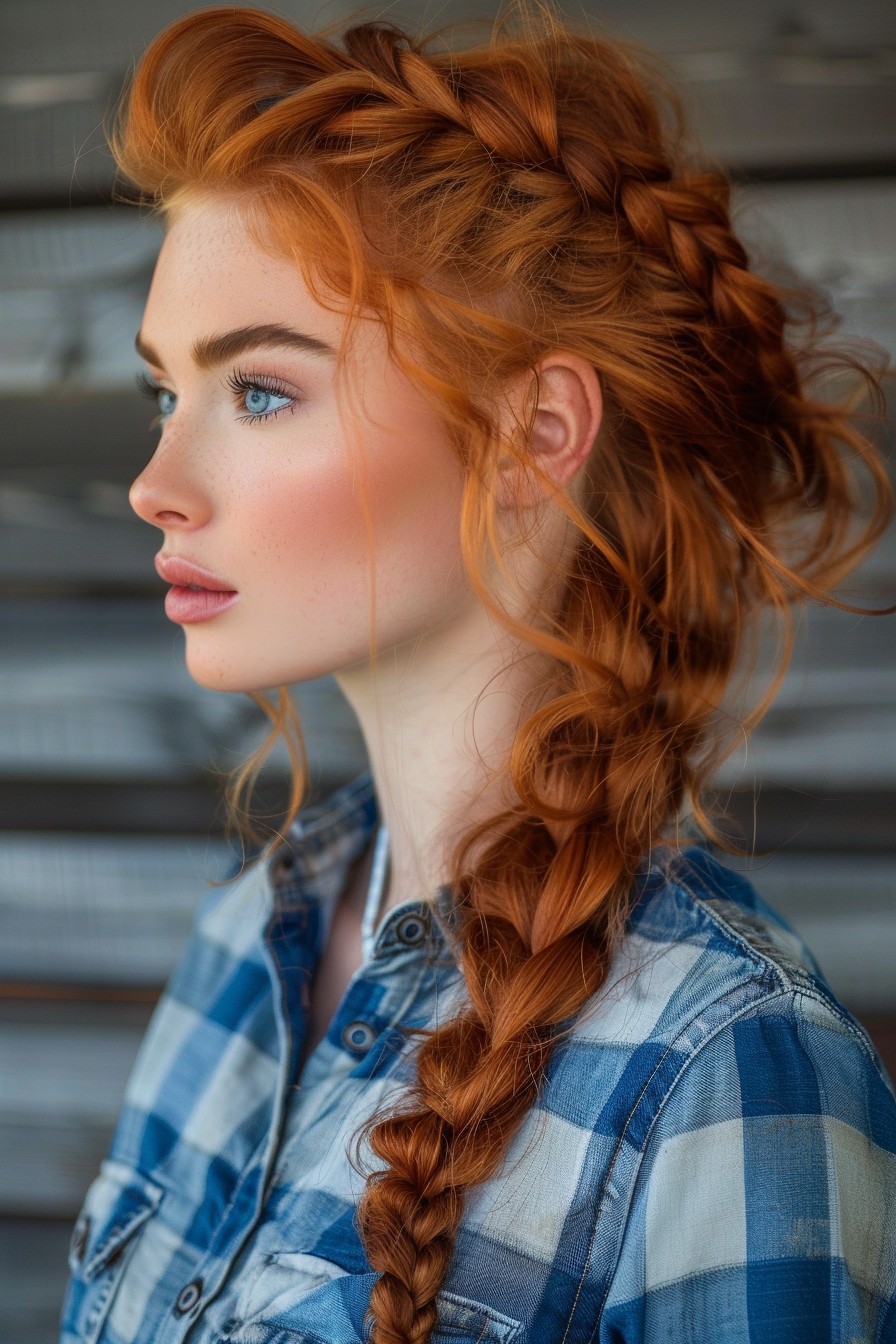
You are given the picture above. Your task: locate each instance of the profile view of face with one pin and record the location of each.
(258, 482)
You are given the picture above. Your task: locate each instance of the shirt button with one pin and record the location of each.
(80, 1237)
(410, 930)
(188, 1297)
(358, 1037)
(282, 868)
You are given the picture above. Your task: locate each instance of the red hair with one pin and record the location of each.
(490, 205)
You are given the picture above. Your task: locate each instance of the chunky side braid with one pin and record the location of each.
(493, 204)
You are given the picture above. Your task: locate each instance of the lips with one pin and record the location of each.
(174, 569)
(196, 594)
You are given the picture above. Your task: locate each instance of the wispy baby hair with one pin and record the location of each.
(490, 204)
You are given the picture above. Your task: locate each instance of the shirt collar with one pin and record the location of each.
(322, 844)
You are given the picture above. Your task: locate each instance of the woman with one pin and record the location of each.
(470, 399)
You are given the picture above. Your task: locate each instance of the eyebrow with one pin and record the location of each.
(210, 351)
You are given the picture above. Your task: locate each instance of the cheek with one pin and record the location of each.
(304, 545)
(303, 541)
(415, 496)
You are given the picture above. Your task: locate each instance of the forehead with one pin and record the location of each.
(214, 279)
(212, 239)
(212, 273)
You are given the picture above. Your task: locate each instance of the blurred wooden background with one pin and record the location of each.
(110, 823)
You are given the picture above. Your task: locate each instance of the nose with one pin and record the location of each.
(165, 495)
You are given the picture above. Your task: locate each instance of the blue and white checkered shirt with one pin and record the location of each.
(712, 1157)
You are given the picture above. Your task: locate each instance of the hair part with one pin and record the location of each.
(489, 205)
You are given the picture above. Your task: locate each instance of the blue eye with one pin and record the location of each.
(255, 391)
(261, 401)
(152, 390)
(259, 395)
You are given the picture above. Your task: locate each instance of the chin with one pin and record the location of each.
(216, 676)
(236, 679)
(240, 674)
(211, 683)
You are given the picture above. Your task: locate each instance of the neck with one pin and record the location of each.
(419, 733)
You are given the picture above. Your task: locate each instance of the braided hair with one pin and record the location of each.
(490, 204)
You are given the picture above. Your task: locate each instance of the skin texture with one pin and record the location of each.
(274, 509)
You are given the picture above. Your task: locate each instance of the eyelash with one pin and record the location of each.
(148, 387)
(246, 382)
(240, 382)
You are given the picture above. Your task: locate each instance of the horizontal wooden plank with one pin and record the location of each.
(844, 906)
(806, 820)
(33, 1275)
(109, 808)
(97, 693)
(93, 690)
(31, 998)
(80, 908)
(62, 1090)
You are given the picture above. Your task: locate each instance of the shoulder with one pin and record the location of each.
(702, 948)
(706, 961)
(715, 1027)
(763, 1193)
(712, 1001)
(752, 1124)
(755, 1124)
(216, 1013)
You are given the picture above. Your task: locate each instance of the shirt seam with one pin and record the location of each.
(621, 1141)
(804, 981)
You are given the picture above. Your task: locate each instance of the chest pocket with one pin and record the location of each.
(117, 1205)
(296, 1298)
(465, 1322)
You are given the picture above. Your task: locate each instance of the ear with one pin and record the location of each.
(567, 418)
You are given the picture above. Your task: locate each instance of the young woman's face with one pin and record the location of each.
(259, 484)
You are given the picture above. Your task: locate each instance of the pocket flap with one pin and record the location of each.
(463, 1320)
(117, 1202)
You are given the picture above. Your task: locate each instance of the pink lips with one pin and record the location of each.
(197, 594)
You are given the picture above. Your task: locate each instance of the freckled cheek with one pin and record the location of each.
(300, 533)
(305, 527)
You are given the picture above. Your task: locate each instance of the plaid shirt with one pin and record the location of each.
(712, 1156)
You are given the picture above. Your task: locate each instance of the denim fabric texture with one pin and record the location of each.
(712, 1156)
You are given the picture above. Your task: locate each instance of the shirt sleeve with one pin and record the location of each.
(764, 1211)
